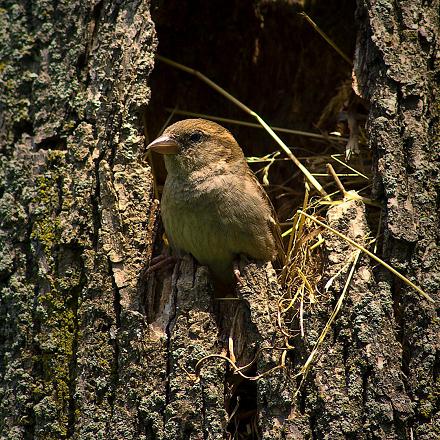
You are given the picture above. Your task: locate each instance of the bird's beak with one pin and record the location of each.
(164, 145)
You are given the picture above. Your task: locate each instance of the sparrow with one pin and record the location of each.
(212, 205)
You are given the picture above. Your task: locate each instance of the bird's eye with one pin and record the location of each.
(195, 137)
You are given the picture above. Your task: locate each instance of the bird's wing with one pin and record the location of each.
(274, 225)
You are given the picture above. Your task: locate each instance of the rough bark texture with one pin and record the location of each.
(341, 400)
(74, 210)
(207, 400)
(91, 346)
(83, 353)
(398, 71)
(378, 376)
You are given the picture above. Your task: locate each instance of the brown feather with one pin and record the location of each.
(213, 206)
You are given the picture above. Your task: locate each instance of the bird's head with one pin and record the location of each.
(194, 145)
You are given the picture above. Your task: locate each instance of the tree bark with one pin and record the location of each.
(397, 69)
(378, 374)
(92, 346)
(76, 216)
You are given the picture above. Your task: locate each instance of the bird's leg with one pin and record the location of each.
(161, 262)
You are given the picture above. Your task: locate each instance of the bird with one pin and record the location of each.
(212, 205)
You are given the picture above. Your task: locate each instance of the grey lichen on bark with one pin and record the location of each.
(75, 207)
(205, 396)
(195, 405)
(397, 69)
(356, 386)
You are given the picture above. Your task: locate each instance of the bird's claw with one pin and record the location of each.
(237, 276)
(161, 262)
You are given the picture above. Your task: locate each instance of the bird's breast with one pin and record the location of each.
(192, 224)
(214, 221)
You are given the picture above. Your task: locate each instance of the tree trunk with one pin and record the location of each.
(397, 69)
(92, 346)
(76, 214)
(378, 377)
